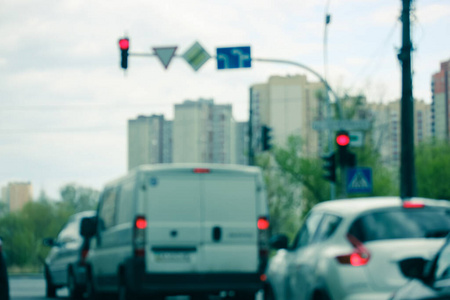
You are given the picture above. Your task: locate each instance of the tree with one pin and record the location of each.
(78, 197)
(433, 169)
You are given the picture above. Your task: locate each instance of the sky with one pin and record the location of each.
(65, 101)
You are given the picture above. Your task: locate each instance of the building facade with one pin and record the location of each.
(149, 141)
(16, 194)
(203, 132)
(440, 106)
(288, 105)
(386, 133)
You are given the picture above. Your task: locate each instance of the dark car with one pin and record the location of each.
(430, 280)
(65, 264)
(4, 284)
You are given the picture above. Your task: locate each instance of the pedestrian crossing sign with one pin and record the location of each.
(359, 180)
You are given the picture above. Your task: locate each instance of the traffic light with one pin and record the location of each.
(330, 167)
(266, 137)
(124, 45)
(346, 158)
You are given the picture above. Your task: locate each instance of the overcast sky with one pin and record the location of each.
(65, 102)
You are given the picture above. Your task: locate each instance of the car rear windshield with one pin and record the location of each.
(402, 224)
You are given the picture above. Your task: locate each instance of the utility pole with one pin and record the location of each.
(251, 153)
(407, 169)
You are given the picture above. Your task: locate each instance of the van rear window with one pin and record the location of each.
(402, 224)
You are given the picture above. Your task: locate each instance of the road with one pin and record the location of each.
(32, 287)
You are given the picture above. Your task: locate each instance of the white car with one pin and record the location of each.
(349, 249)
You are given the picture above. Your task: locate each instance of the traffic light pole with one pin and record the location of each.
(407, 166)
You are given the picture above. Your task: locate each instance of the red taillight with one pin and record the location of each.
(139, 236)
(263, 223)
(263, 240)
(201, 170)
(413, 204)
(359, 257)
(141, 223)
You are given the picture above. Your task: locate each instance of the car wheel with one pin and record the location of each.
(50, 288)
(90, 293)
(199, 297)
(124, 291)
(244, 296)
(75, 291)
(268, 293)
(321, 295)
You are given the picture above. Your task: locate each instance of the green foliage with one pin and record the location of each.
(22, 232)
(433, 170)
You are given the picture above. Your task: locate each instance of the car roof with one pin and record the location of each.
(355, 206)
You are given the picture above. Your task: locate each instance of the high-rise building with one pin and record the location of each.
(440, 107)
(203, 132)
(149, 140)
(16, 194)
(386, 133)
(241, 129)
(288, 105)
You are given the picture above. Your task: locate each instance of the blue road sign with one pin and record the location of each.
(233, 58)
(359, 180)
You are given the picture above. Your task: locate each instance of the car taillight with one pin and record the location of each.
(413, 204)
(201, 171)
(140, 225)
(360, 255)
(84, 254)
(263, 236)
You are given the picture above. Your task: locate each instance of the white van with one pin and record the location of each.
(178, 229)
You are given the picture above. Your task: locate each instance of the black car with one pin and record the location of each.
(65, 264)
(4, 284)
(430, 280)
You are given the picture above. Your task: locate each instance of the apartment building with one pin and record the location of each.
(386, 133)
(204, 132)
(440, 106)
(288, 105)
(16, 194)
(149, 140)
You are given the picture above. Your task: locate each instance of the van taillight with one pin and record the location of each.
(263, 223)
(360, 255)
(263, 241)
(140, 225)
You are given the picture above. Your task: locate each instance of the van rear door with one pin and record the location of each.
(173, 215)
(229, 229)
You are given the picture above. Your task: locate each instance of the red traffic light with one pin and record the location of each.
(124, 44)
(342, 139)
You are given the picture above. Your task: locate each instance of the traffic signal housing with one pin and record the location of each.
(345, 157)
(124, 45)
(330, 167)
(266, 138)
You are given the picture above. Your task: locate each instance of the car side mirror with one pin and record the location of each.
(413, 267)
(49, 242)
(88, 227)
(279, 241)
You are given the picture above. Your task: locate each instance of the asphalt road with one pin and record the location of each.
(32, 287)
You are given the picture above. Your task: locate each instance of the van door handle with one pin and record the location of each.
(217, 233)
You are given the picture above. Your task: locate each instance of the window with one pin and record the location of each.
(125, 203)
(443, 264)
(401, 224)
(327, 227)
(107, 214)
(306, 233)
